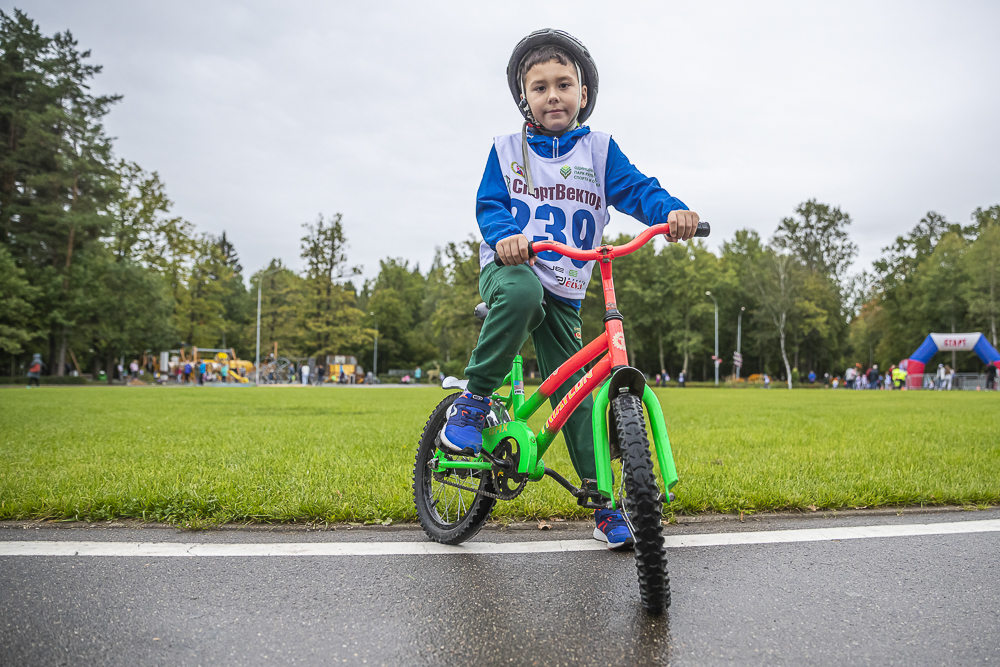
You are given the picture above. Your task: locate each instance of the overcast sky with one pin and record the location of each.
(260, 116)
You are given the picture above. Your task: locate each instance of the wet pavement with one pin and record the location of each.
(915, 600)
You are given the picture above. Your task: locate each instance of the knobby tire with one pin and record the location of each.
(642, 501)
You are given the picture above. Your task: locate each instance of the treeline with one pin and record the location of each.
(94, 268)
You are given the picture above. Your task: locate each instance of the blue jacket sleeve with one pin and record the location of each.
(629, 191)
(493, 204)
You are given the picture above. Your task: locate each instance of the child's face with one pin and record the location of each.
(552, 90)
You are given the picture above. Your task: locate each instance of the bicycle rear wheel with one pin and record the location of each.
(643, 507)
(447, 514)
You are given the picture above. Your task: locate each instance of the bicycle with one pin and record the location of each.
(454, 495)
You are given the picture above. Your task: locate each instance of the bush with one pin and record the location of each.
(45, 379)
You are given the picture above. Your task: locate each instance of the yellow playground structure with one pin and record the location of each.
(238, 369)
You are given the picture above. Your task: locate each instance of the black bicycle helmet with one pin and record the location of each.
(566, 41)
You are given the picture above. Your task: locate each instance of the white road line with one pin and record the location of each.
(202, 549)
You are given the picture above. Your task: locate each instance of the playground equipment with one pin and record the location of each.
(277, 371)
(946, 342)
(215, 359)
(340, 362)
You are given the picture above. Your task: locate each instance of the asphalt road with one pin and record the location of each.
(916, 600)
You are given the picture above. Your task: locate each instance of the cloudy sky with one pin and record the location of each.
(260, 116)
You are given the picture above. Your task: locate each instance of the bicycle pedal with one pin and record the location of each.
(590, 497)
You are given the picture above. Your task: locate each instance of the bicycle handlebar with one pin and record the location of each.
(609, 251)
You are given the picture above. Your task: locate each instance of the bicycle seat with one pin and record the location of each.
(482, 310)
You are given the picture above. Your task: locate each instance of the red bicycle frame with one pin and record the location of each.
(611, 341)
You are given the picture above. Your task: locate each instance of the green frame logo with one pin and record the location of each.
(565, 170)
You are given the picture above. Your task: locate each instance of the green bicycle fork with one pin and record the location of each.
(602, 445)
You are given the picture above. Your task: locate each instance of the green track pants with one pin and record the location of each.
(518, 308)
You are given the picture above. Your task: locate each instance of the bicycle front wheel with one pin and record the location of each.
(643, 507)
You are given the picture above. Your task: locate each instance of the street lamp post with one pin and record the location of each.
(375, 355)
(256, 366)
(716, 357)
(739, 335)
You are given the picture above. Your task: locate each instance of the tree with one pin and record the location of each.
(130, 311)
(15, 306)
(818, 238)
(54, 161)
(982, 262)
(451, 295)
(281, 293)
(138, 232)
(777, 279)
(200, 314)
(690, 270)
(939, 282)
(330, 319)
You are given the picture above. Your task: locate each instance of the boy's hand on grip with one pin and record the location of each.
(513, 250)
(683, 225)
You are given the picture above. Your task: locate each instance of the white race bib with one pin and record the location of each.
(569, 207)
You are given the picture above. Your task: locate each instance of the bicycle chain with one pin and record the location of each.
(479, 492)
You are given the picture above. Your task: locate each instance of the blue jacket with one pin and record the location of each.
(626, 188)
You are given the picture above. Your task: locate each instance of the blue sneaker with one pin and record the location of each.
(611, 528)
(463, 432)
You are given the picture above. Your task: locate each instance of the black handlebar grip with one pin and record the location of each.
(531, 253)
(704, 229)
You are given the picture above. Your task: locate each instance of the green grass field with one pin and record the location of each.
(197, 456)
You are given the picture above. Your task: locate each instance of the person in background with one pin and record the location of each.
(873, 377)
(225, 371)
(187, 372)
(949, 376)
(666, 378)
(320, 371)
(682, 379)
(812, 377)
(849, 378)
(133, 370)
(416, 375)
(201, 372)
(305, 374)
(991, 377)
(659, 380)
(767, 381)
(35, 369)
(836, 382)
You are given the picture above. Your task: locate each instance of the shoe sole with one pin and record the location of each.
(448, 448)
(599, 535)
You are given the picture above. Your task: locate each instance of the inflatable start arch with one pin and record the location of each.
(955, 342)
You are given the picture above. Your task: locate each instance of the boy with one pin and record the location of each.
(551, 182)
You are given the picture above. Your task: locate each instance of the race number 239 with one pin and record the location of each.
(582, 228)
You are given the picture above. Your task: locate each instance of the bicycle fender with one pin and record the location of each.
(664, 455)
(625, 379)
(602, 446)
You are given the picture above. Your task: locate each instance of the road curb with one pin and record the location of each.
(493, 526)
